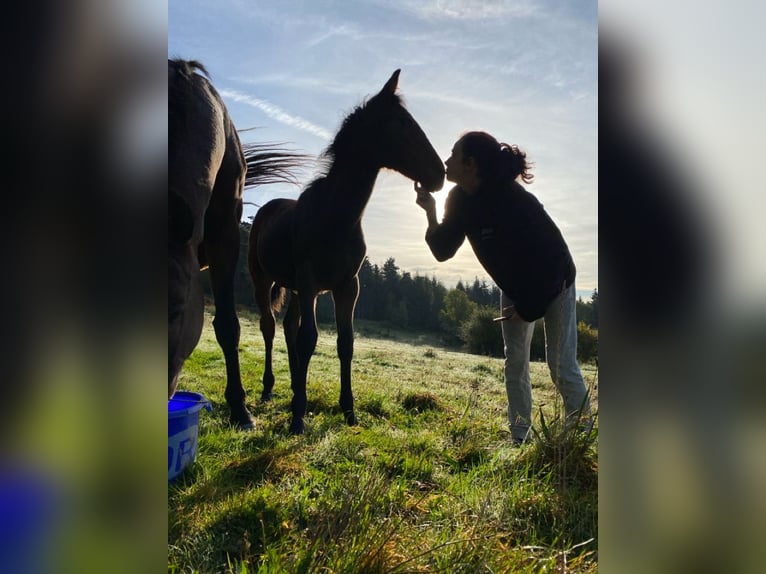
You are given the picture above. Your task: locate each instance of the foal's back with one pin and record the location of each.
(271, 242)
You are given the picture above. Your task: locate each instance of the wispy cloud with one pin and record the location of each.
(305, 82)
(461, 101)
(278, 114)
(343, 30)
(470, 9)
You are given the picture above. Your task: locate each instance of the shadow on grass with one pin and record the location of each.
(269, 461)
(242, 534)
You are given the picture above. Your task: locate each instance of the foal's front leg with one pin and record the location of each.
(290, 324)
(345, 298)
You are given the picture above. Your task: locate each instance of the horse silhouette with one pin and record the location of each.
(207, 169)
(315, 244)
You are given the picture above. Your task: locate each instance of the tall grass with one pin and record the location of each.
(428, 481)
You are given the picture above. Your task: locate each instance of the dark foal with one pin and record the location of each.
(315, 244)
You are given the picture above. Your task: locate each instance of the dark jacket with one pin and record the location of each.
(514, 239)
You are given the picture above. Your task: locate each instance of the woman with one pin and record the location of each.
(524, 252)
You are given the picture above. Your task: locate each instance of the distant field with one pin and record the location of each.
(426, 483)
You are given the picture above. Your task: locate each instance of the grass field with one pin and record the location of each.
(427, 482)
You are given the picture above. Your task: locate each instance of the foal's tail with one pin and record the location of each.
(272, 163)
(278, 297)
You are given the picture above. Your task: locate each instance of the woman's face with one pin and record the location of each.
(459, 170)
(454, 163)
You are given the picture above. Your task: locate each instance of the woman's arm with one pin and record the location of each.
(445, 238)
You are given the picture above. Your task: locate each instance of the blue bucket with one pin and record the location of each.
(183, 424)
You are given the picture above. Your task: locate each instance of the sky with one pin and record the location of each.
(524, 71)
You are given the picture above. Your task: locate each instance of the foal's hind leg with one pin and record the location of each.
(268, 327)
(345, 301)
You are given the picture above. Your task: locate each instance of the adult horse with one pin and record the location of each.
(206, 174)
(315, 243)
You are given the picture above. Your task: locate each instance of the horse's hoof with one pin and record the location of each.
(296, 426)
(351, 419)
(245, 423)
(266, 397)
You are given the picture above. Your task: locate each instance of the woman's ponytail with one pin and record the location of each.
(514, 163)
(497, 162)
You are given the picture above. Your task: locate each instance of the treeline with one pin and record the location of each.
(461, 316)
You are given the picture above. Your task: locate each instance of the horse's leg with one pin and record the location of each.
(306, 341)
(227, 332)
(263, 288)
(345, 300)
(222, 250)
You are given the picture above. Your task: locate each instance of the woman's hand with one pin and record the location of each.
(425, 200)
(428, 203)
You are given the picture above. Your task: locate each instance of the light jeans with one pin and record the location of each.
(561, 355)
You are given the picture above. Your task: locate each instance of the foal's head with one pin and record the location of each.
(386, 133)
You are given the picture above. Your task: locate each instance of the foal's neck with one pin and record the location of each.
(352, 187)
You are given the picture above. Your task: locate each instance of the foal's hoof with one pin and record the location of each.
(351, 419)
(296, 426)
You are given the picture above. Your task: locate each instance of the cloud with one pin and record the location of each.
(470, 9)
(461, 101)
(310, 83)
(277, 113)
(343, 30)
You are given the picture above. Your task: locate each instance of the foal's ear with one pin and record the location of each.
(391, 84)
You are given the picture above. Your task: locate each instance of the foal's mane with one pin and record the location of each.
(352, 129)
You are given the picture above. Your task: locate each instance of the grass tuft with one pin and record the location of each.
(421, 402)
(564, 450)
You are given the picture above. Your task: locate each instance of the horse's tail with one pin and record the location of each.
(278, 296)
(272, 163)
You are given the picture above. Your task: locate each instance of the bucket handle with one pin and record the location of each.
(204, 403)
